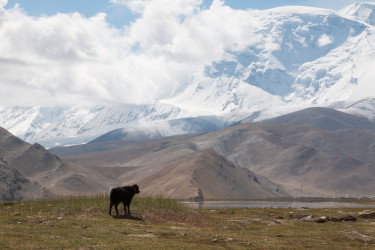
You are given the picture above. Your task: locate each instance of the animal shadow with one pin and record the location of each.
(127, 217)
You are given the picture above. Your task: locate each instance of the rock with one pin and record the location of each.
(348, 218)
(367, 214)
(343, 218)
(321, 219)
(297, 216)
(308, 218)
(311, 218)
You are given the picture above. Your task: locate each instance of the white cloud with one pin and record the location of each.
(3, 3)
(137, 6)
(56, 57)
(69, 59)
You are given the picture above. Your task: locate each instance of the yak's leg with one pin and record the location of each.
(128, 209)
(116, 209)
(110, 208)
(125, 212)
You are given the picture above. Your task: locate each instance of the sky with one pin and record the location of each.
(118, 14)
(55, 52)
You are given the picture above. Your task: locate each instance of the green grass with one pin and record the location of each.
(157, 223)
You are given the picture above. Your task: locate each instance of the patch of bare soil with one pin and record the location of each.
(358, 236)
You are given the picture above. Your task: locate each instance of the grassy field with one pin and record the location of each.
(84, 223)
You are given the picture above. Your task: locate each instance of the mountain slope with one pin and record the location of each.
(337, 161)
(303, 55)
(298, 156)
(207, 175)
(54, 126)
(326, 163)
(363, 11)
(323, 119)
(189, 125)
(31, 171)
(14, 186)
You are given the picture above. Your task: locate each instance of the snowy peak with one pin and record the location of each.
(55, 126)
(298, 56)
(286, 42)
(364, 12)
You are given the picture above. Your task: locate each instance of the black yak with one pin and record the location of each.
(122, 194)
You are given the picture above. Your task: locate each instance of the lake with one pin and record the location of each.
(277, 204)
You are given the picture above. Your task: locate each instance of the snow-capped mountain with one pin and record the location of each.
(299, 57)
(55, 126)
(304, 56)
(364, 12)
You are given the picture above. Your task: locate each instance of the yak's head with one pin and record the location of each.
(136, 188)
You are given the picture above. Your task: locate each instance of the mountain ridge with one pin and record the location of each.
(334, 162)
(323, 119)
(207, 175)
(34, 172)
(31, 171)
(364, 11)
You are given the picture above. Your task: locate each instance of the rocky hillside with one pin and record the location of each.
(30, 171)
(208, 175)
(14, 186)
(319, 152)
(330, 154)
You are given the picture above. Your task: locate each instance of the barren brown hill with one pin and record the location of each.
(322, 163)
(177, 169)
(326, 162)
(323, 119)
(31, 171)
(207, 175)
(14, 186)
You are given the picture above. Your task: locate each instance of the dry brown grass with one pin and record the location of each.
(81, 223)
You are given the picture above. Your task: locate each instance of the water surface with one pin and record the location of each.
(277, 204)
